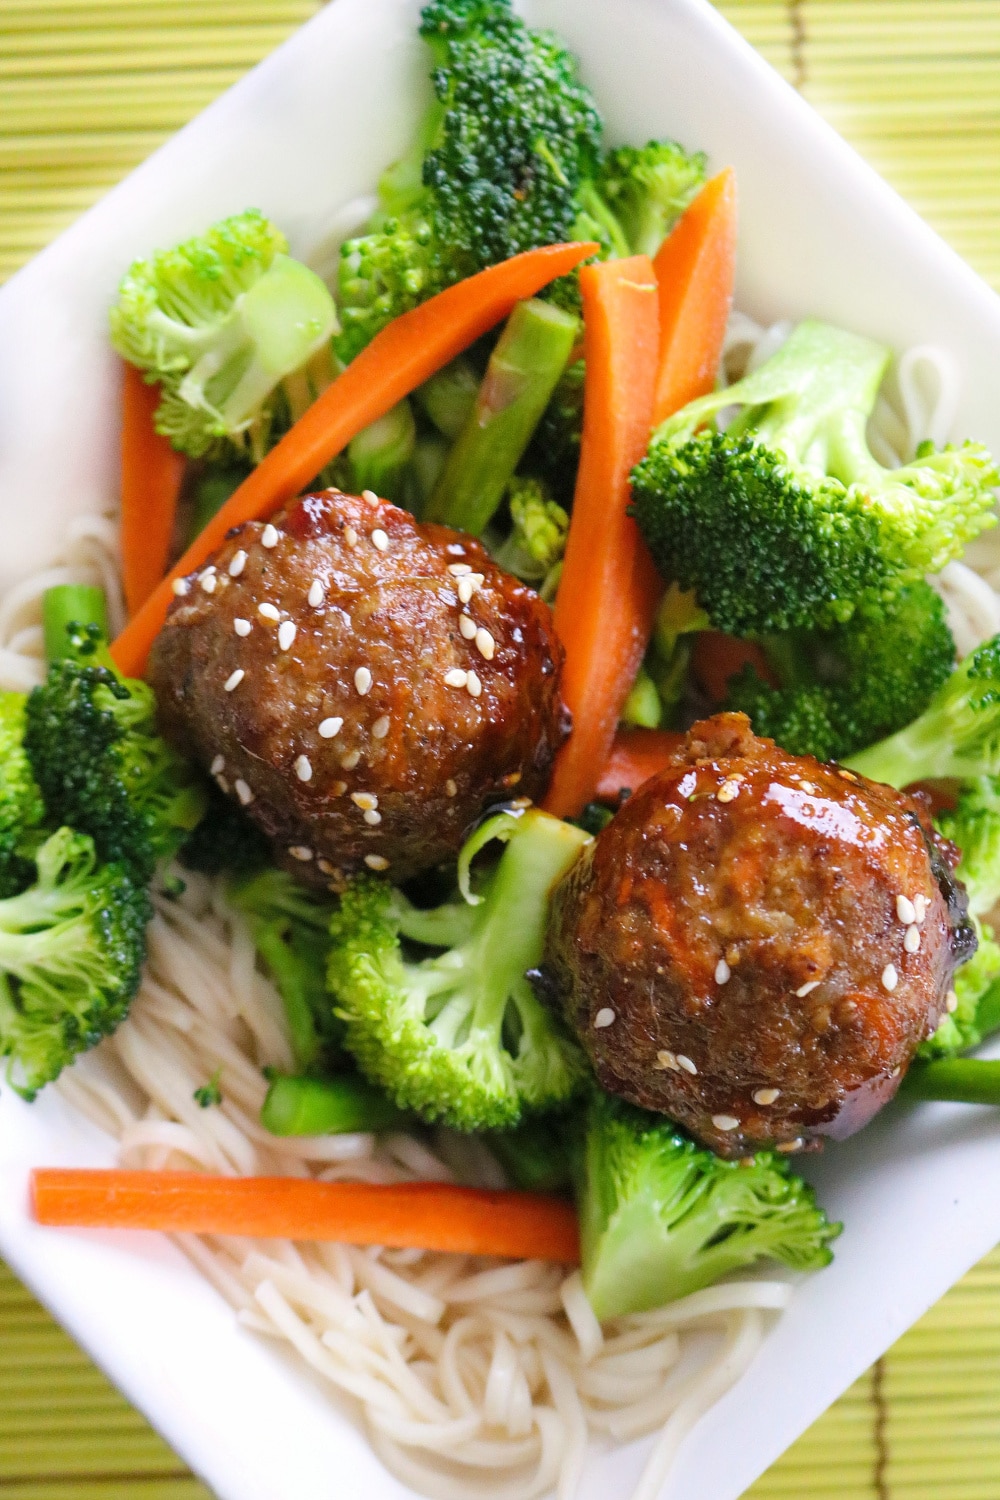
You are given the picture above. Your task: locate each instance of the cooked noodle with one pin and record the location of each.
(473, 1377)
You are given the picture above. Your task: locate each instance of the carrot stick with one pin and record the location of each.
(150, 484)
(695, 269)
(402, 356)
(422, 1215)
(609, 587)
(636, 755)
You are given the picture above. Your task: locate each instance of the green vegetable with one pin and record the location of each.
(643, 706)
(537, 539)
(648, 188)
(21, 806)
(786, 520)
(210, 491)
(976, 1012)
(328, 1106)
(380, 454)
(68, 609)
(849, 686)
(221, 322)
(210, 1093)
(71, 953)
(537, 1154)
(661, 1217)
(553, 454)
(225, 841)
(964, 1080)
(449, 396)
(528, 360)
(459, 1036)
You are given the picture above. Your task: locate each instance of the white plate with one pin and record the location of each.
(303, 134)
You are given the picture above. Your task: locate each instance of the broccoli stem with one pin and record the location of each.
(643, 706)
(529, 358)
(294, 979)
(449, 396)
(379, 455)
(327, 1106)
(68, 605)
(962, 1080)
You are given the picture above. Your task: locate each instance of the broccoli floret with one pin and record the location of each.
(460, 1036)
(103, 769)
(661, 1217)
(398, 264)
(290, 928)
(220, 321)
(957, 735)
(785, 520)
(538, 536)
(21, 806)
(648, 188)
(862, 680)
(71, 953)
(976, 1006)
(225, 840)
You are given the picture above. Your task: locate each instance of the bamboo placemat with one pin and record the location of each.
(87, 89)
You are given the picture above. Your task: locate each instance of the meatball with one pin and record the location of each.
(365, 685)
(756, 943)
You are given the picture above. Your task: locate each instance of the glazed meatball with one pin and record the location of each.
(365, 685)
(756, 943)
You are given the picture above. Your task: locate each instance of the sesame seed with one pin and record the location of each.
(269, 536)
(890, 978)
(807, 988)
(303, 768)
(370, 496)
(846, 775)
(473, 686)
(787, 1147)
(951, 1002)
(485, 644)
(728, 792)
(338, 789)
(269, 612)
(367, 801)
(722, 971)
(325, 867)
(459, 570)
(301, 852)
(286, 634)
(666, 1061)
(808, 787)
(456, 677)
(686, 1064)
(243, 792)
(350, 536)
(208, 582)
(234, 679)
(920, 904)
(905, 910)
(725, 1122)
(451, 788)
(766, 1096)
(181, 587)
(363, 680)
(242, 627)
(911, 941)
(380, 728)
(222, 784)
(380, 539)
(238, 563)
(316, 594)
(376, 862)
(466, 588)
(467, 626)
(455, 549)
(218, 764)
(605, 1017)
(330, 728)
(350, 760)
(372, 818)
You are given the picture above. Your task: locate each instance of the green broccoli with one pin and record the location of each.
(553, 454)
(853, 684)
(648, 188)
(460, 1036)
(225, 841)
(71, 953)
(785, 520)
(21, 806)
(328, 1106)
(957, 735)
(221, 322)
(661, 1217)
(537, 538)
(102, 768)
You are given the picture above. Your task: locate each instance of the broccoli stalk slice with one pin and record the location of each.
(963, 1080)
(328, 1106)
(957, 735)
(530, 355)
(661, 1217)
(449, 397)
(459, 1036)
(67, 610)
(823, 528)
(380, 454)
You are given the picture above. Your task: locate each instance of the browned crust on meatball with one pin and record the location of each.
(434, 676)
(733, 952)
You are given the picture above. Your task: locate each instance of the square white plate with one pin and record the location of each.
(306, 132)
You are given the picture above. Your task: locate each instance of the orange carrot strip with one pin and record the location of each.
(421, 1215)
(405, 354)
(695, 269)
(609, 587)
(150, 484)
(636, 755)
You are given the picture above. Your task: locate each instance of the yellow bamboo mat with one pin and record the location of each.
(87, 89)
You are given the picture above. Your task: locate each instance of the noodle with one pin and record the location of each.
(474, 1378)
